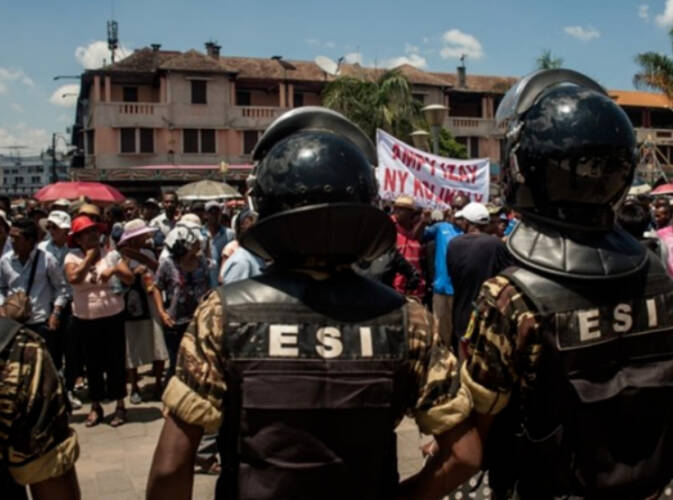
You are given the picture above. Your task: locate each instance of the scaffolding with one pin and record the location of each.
(650, 169)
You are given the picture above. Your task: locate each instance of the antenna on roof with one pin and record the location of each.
(112, 38)
(462, 60)
(328, 65)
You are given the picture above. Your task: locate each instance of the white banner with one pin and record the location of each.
(431, 180)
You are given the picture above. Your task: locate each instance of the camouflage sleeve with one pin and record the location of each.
(196, 392)
(33, 416)
(438, 403)
(503, 345)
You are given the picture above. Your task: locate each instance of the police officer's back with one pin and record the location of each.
(307, 369)
(572, 348)
(37, 446)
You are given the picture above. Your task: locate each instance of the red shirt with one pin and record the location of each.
(412, 250)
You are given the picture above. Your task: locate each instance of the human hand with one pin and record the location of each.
(166, 319)
(92, 254)
(53, 322)
(106, 274)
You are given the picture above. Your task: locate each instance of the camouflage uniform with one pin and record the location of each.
(36, 442)
(197, 391)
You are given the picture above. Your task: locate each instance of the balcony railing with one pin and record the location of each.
(126, 108)
(260, 111)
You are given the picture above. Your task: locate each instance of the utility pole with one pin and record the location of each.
(54, 178)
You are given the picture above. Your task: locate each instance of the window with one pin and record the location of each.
(208, 141)
(35, 179)
(191, 140)
(18, 180)
(249, 141)
(242, 98)
(474, 147)
(135, 140)
(147, 140)
(130, 94)
(90, 149)
(198, 91)
(128, 142)
(298, 99)
(199, 141)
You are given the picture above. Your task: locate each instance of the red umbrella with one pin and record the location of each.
(95, 191)
(663, 189)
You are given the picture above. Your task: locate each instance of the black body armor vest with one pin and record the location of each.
(314, 387)
(597, 420)
(11, 490)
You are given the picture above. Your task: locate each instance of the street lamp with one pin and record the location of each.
(420, 139)
(434, 115)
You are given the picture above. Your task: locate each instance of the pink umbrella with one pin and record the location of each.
(95, 191)
(663, 189)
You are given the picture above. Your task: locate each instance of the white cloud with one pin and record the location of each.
(665, 19)
(458, 43)
(644, 12)
(353, 58)
(315, 42)
(581, 33)
(411, 49)
(65, 95)
(92, 56)
(312, 41)
(412, 60)
(11, 75)
(16, 107)
(34, 140)
(426, 39)
(330, 45)
(65, 117)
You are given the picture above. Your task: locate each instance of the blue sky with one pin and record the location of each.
(43, 38)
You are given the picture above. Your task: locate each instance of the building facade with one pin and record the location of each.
(24, 175)
(161, 112)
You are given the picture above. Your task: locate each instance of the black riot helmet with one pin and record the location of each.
(314, 189)
(570, 151)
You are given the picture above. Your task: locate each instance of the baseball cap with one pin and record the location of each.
(151, 201)
(213, 204)
(61, 202)
(474, 212)
(59, 219)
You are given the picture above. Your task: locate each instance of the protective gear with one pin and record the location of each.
(570, 152)
(315, 384)
(314, 189)
(597, 419)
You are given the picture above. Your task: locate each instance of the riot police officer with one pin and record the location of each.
(572, 348)
(307, 369)
(37, 446)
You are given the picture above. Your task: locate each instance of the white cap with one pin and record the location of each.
(59, 219)
(61, 202)
(474, 212)
(213, 204)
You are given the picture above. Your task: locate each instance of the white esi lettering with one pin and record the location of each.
(651, 313)
(330, 345)
(589, 322)
(623, 319)
(283, 340)
(366, 347)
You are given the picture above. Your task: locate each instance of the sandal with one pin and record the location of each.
(95, 417)
(119, 417)
(208, 465)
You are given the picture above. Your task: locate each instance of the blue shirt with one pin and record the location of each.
(510, 226)
(441, 233)
(217, 242)
(241, 265)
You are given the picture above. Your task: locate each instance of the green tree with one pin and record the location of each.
(656, 71)
(386, 103)
(548, 61)
(449, 147)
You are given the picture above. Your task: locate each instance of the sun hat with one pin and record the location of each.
(474, 212)
(213, 204)
(61, 202)
(82, 223)
(133, 228)
(89, 209)
(59, 219)
(405, 201)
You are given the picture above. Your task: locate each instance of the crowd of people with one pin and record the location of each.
(112, 288)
